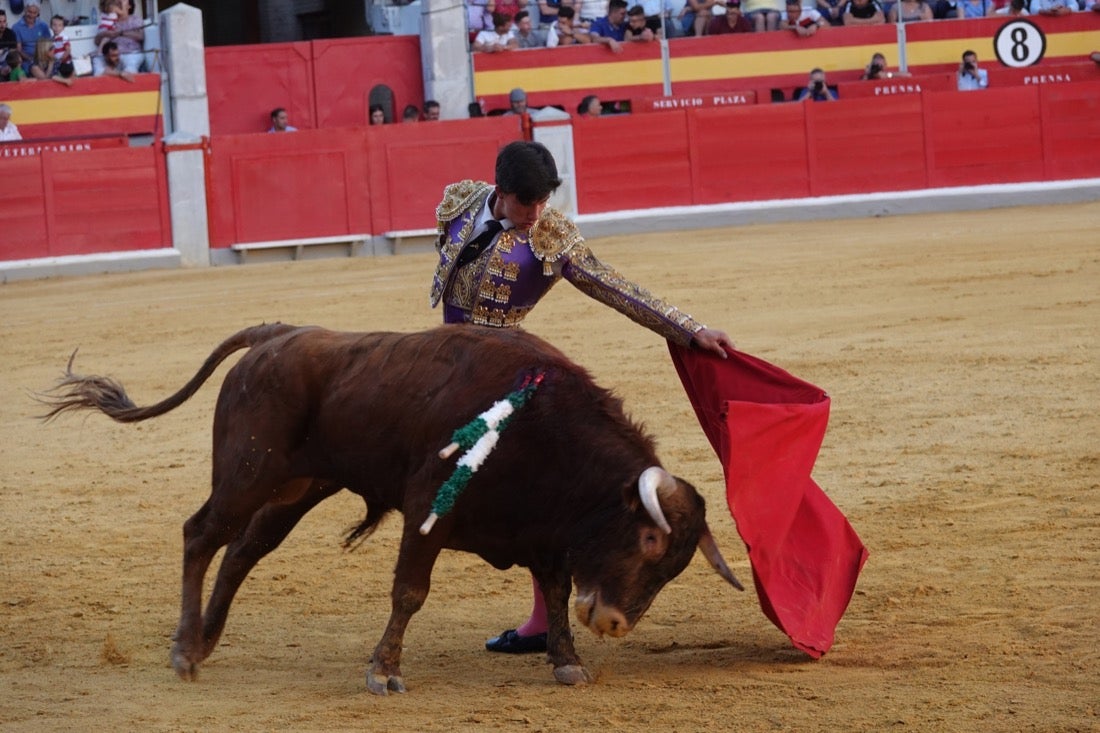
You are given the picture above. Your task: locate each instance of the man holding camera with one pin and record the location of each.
(970, 77)
(817, 90)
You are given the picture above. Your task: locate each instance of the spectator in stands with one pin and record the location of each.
(128, 35)
(731, 21)
(28, 31)
(526, 34)
(377, 114)
(653, 11)
(1095, 55)
(636, 28)
(909, 11)
(112, 63)
(1053, 7)
(108, 14)
(610, 30)
(62, 49)
(14, 63)
(564, 32)
(877, 69)
(764, 14)
(590, 107)
(1015, 8)
(280, 121)
(44, 67)
(411, 113)
(510, 8)
(548, 12)
(817, 90)
(589, 11)
(8, 39)
(832, 11)
(501, 38)
(970, 77)
(517, 102)
(479, 16)
(8, 130)
(802, 21)
(863, 12)
(431, 110)
(696, 16)
(974, 8)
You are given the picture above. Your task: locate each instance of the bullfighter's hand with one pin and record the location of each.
(714, 341)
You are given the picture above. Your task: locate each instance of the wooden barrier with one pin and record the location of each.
(1070, 115)
(322, 84)
(888, 143)
(870, 144)
(84, 201)
(339, 185)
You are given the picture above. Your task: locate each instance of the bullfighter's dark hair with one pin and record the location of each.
(528, 170)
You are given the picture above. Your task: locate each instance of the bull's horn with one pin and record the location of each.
(710, 551)
(654, 481)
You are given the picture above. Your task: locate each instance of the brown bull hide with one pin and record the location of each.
(307, 411)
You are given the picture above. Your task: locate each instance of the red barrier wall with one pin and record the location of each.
(244, 83)
(364, 180)
(1071, 129)
(346, 69)
(866, 145)
(633, 162)
(83, 202)
(747, 153)
(990, 136)
(893, 143)
(320, 83)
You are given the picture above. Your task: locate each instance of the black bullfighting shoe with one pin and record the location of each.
(509, 642)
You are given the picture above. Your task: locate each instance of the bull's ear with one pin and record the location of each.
(652, 543)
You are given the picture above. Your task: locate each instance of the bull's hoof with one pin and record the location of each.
(186, 668)
(381, 684)
(573, 674)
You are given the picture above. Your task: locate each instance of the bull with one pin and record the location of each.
(574, 490)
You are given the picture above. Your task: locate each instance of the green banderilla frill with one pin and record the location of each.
(478, 437)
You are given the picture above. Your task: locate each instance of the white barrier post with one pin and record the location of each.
(445, 57)
(188, 113)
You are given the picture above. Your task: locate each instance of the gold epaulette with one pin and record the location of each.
(552, 236)
(458, 197)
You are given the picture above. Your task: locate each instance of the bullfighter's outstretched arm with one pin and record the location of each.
(557, 242)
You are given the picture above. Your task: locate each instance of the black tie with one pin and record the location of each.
(480, 242)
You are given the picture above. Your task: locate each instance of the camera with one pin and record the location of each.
(969, 65)
(876, 68)
(819, 86)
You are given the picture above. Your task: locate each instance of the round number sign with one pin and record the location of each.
(1020, 43)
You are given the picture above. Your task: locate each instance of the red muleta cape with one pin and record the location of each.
(766, 427)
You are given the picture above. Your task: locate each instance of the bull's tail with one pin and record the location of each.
(76, 392)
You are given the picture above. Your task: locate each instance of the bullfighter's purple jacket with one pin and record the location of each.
(501, 286)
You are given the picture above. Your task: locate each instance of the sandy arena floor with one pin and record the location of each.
(962, 355)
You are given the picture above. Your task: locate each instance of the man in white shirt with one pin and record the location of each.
(8, 130)
(501, 38)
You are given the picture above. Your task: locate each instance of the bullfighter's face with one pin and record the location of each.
(508, 206)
